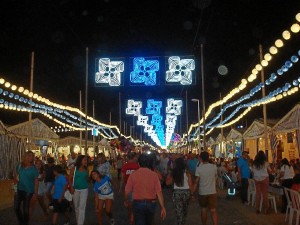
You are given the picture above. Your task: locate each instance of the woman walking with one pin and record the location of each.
(41, 190)
(261, 172)
(27, 187)
(78, 182)
(182, 184)
(103, 196)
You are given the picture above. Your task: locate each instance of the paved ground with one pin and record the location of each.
(231, 212)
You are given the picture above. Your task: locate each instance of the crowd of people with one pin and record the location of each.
(141, 179)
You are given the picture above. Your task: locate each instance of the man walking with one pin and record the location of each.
(145, 187)
(243, 175)
(206, 174)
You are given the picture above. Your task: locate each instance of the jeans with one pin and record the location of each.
(22, 196)
(244, 189)
(144, 212)
(79, 199)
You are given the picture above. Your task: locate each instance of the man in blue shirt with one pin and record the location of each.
(243, 175)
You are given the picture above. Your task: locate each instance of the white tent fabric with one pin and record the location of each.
(234, 135)
(72, 141)
(40, 131)
(256, 130)
(219, 139)
(290, 122)
(210, 141)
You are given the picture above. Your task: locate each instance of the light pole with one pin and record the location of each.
(131, 132)
(199, 137)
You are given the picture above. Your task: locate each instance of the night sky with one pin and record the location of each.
(58, 31)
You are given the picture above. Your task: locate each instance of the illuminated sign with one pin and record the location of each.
(109, 72)
(144, 71)
(180, 70)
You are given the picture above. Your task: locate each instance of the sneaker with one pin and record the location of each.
(112, 221)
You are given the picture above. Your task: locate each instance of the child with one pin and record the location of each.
(103, 196)
(60, 205)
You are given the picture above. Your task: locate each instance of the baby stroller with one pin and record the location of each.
(232, 186)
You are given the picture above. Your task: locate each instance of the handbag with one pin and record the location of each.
(68, 196)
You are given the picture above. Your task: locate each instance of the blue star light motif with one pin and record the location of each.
(153, 107)
(144, 71)
(156, 119)
(180, 70)
(109, 72)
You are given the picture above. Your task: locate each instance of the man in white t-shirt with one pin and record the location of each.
(206, 174)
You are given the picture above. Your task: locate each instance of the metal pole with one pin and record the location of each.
(94, 128)
(31, 90)
(263, 91)
(187, 118)
(203, 99)
(80, 134)
(222, 131)
(86, 97)
(199, 132)
(120, 114)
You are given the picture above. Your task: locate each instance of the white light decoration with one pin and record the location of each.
(134, 107)
(267, 57)
(295, 28)
(7, 84)
(174, 106)
(286, 35)
(258, 67)
(13, 87)
(142, 120)
(278, 43)
(2, 81)
(148, 128)
(170, 120)
(298, 17)
(180, 70)
(264, 63)
(273, 50)
(109, 72)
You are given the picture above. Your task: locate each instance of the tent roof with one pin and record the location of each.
(40, 131)
(210, 141)
(256, 130)
(71, 141)
(220, 138)
(234, 135)
(290, 122)
(3, 128)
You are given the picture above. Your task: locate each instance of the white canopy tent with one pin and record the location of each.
(220, 146)
(234, 140)
(287, 130)
(254, 139)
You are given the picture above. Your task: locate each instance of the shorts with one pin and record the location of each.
(60, 207)
(49, 186)
(208, 201)
(104, 197)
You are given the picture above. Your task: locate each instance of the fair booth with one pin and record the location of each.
(235, 143)
(287, 131)
(220, 146)
(254, 139)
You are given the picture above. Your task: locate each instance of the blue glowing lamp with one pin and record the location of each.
(144, 71)
(153, 107)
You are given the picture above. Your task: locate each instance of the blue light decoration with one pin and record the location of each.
(180, 70)
(144, 71)
(109, 72)
(174, 106)
(134, 107)
(156, 120)
(153, 107)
